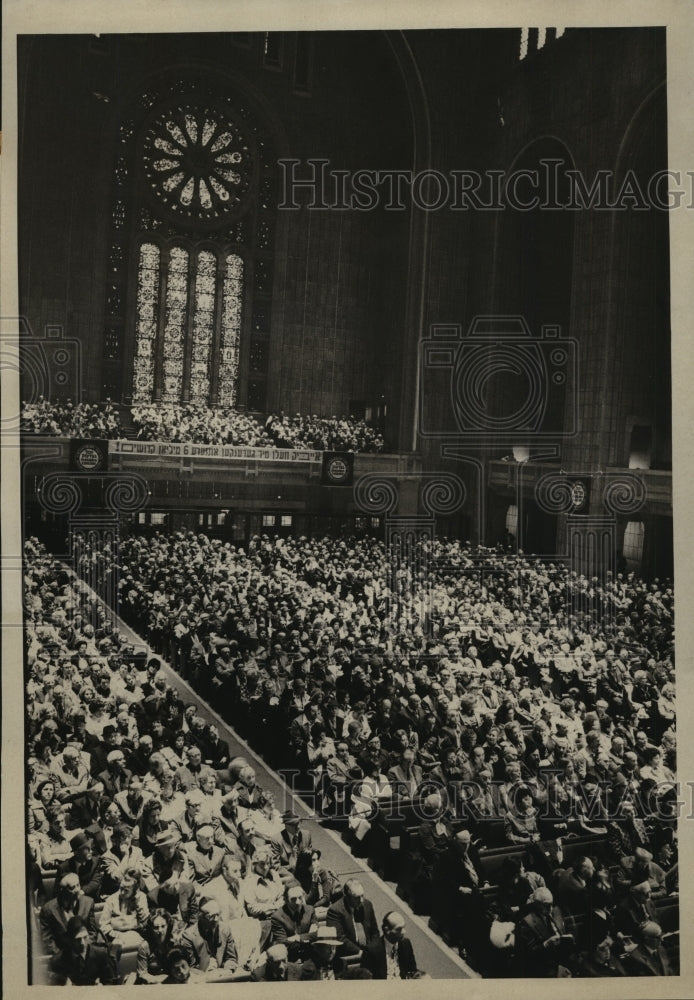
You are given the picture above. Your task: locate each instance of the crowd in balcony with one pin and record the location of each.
(194, 422)
(510, 722)
(324, 433)
(200, 424)
(71, 420)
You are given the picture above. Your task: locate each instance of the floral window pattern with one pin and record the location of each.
(197, 162)
(146, 326)
(203, 327)
(174, 329)
(231, 331)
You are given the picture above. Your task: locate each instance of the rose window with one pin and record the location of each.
(197, 162)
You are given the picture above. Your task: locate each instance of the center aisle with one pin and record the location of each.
(433, 956)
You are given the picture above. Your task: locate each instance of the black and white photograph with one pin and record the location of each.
(341, 367)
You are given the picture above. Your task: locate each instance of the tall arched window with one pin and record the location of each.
(189, 304)
(187, 326)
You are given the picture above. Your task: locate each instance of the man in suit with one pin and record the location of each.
(486, 801)
(69, 901)
(372, 754)
(99, 754)
(542, 947)
(354, 919)
(342, 771)
(392, 956)
(277, 968)
(601, 962)
(640, 867)
(291, 924)
(292, 842)
(634, 909)
(216, 750)
(574, 886)
(323, 963)
(209, 944)
(406, 777)
(115, 776)
(81, 963)
(458, 903)
(649, 958)
(189, 774)
(204, 855)
(84, 865)
(70, 775)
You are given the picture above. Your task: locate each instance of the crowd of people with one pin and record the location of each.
(68, 419)
(477, 700)
(324, 433)
(186, 422)
(206, 425)
(200, 424)
(149, 845)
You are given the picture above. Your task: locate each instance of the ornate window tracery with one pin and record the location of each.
(191, 252)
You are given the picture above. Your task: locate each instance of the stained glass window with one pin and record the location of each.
(205, 179)
(146, 324)
(231, 330)
(197, 162)
(174, 329)
(203, 327)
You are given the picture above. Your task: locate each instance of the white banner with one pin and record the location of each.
(227, 452)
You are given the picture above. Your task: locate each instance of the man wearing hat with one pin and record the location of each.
(84, 864)
(323, 963)
(168, 877)
(292, 841)
(277, 968)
